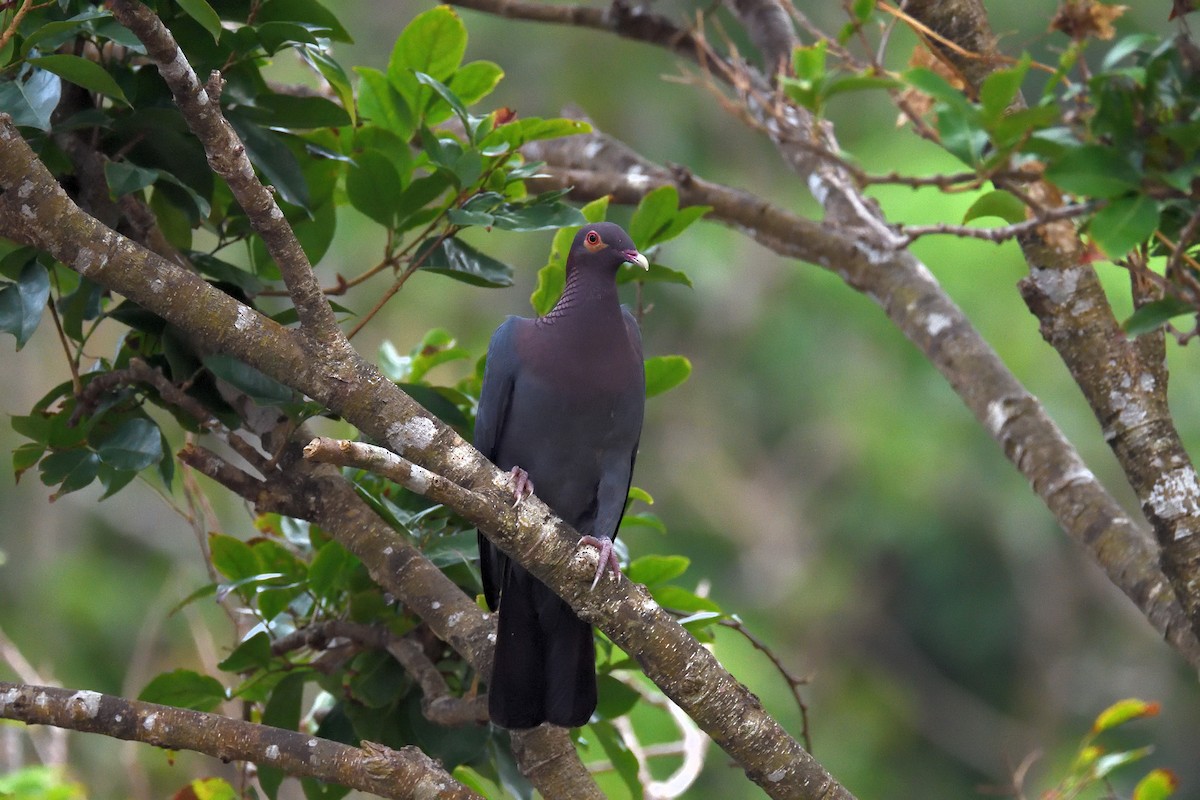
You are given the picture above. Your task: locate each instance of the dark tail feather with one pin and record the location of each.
(545, 664)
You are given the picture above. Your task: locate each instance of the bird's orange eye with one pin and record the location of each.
(592, 238)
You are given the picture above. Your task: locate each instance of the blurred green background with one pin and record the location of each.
(825, 481)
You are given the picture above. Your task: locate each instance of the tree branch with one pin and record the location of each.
(685, 671)
(1124, 382)
(405, 774)
(227, 157)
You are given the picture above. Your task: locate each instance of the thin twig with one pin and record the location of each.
(794, 681)
(997, 235)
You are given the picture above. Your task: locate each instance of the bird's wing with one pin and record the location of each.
(617, 469)
(495, 398)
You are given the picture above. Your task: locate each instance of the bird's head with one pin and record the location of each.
(603, 247)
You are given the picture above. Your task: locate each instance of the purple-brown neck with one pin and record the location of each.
(589, 295)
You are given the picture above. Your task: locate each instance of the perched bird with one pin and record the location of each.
(561, 408)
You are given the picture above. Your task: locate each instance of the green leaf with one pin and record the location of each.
(330, 570)
(379, 102)
(474, 81)
(1093, 171)
(514, 134)
(212, 789)
(253, 653)
(232, 557)
(283, 710)
(433, 43)
(335, 75)
(1001, 87)
(1158, 784)
(639, 494)
(680, 599)
(297, 113)
(82, 72)
(862, 9)
(25, 457)
(124, 178)
(261, 388)
(616, 698)
(203, 13)
(134, 445)
(860, 83)
(997, 203)
(462, 262)
(32, 101)
(1155, 314)
(22, 303)
(273, 158)
(619, 755)
(70, 470)
(537, 217)
(308, 13)
(444, 92)
(653, 569)
(183, 688)
(1124, 224)
(372, 184)
(630, 273)
(666, 372)
(643, 520)
(1124, 711)
(653, 214)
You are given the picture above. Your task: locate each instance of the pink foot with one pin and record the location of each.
(522, 486)
(607, 560)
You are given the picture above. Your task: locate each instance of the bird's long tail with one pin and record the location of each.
(545, 665)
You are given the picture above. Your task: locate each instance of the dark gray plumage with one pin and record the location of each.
(561, 407)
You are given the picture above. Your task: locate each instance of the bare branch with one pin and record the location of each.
(405, 774)
(996, 235)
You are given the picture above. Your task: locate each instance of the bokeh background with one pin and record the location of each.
(825, 481)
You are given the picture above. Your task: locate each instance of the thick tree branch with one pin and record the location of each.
(597, 165)
(405, 774)
(672, 658)
(228, 158)
(1124, 382)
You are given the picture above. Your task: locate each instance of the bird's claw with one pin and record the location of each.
(522, 486)
(607, 559)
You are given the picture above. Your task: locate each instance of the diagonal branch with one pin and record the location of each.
(405, 774)
(1124, 382)
(200, 106)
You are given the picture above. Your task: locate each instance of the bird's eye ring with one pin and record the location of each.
(592, 237)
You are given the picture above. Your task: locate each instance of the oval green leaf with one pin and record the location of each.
(183, 688)
(1124, 224)
(666, 372)
(81, 72)
(134, 445)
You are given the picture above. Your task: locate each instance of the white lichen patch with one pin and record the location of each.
(461, 457)
(419, 479)
(245, 318)
(436, 604)
(9, 697)
(28, 213)
(1176, 495)
(936, 323)
(85, 702)
(1146, 382)
(1129, 408)
(417, 433)
(25, 189)
(1057, 284)
(157, 285)
(148, 722)
(273, 752)
(312, 742)
(777, 775)
(454, 619)
(999, 413)
(387, 551)
(84, 260)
